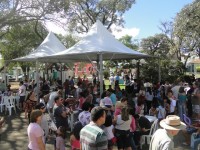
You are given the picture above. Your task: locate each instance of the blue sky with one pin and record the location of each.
(146, 15)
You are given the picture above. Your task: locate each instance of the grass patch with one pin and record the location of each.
(107, 83)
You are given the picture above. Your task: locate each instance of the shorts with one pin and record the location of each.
(22, 99)
(123, 138)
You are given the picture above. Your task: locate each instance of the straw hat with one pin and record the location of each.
(172, 122)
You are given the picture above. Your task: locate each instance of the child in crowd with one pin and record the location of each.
(60, 139)
(119, 105)
(172, 102)
(140, 106)
(161, 111)
(81, 99)
(75, 136)
(182, 98)
(166, 105)
(109, 131)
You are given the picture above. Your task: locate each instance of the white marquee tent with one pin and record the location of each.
(98, 45)
(49, 46)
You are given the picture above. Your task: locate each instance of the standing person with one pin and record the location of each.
(189, 99)
(60, 113)
(35, 132)
(75, 136)
(163, 138)
(112, 81)
(182, 98)
(96, 137)
(60, 139)
(109, 131)
(122, 129)
(172, 102)
(30, 104)
(22, 94)
(149, 98)
(44, 122)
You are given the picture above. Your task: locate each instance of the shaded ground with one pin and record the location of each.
(13, 135)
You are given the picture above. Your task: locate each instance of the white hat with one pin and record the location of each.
(172, 122)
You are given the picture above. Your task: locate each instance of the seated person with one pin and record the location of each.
(195, 139)
(190, 129)
(144, 127)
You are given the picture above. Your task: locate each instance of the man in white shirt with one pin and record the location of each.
(52, 96)
(162, 139)
(22, 94)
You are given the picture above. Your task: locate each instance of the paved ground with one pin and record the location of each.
(13, 135)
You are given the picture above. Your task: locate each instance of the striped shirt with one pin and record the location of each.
(92, 137)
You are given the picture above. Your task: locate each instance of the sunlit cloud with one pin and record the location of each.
(119, 32)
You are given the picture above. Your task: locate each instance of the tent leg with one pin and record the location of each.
(101, 73)
(37, 79)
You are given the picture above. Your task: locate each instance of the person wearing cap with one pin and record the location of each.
(163, 138)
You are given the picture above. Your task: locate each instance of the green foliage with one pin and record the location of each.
(19, 41)
(198, 69)
(106, 74)
(158, 46)
(125, 64)
(83, 13)
(187, 27)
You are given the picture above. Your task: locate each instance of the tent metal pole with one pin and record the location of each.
(37, 79)
(101, 73)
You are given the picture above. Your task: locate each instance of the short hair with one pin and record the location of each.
(123, 99)
(56, 98)
(108, 121)
(21, 82)
(86, 106)
(34, 115)
(181, 89)
(77, 128)
(96, 113)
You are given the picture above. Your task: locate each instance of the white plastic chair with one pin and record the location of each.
(10, 103)
(2, 104)
(153, 129)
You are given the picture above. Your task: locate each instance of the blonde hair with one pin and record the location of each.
(125, 113)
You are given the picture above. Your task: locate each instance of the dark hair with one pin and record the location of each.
(96, 113)
(77, 128)
(136, 116)
(123, 99)
(34, 115)
(132, 111)
(63, 132)
(21, 82)
(56, 98)
(181, 89)
(108, 121)
(86, 106)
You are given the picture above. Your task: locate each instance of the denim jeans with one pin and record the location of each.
(181, 109)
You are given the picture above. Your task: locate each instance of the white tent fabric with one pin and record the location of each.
(98, 45)
(97, 41)
(49, 46)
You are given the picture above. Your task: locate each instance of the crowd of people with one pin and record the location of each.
(115, 115)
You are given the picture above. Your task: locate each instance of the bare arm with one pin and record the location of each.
(40, 143)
